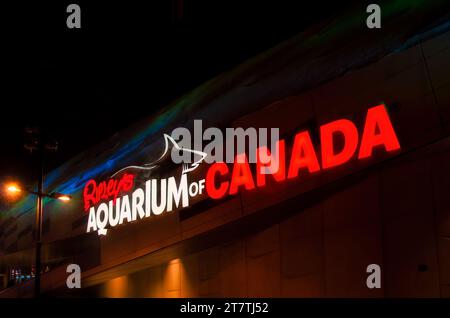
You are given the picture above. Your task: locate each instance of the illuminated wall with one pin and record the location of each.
(324, 249)
(394, 213)
(397, 214)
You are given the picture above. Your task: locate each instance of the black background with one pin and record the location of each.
(277, 307)
(128, 60)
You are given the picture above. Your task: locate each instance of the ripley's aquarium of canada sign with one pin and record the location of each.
(119, 200)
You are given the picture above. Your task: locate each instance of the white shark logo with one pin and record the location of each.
(169, 141)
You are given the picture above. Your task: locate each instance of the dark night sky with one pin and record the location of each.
(128, 60)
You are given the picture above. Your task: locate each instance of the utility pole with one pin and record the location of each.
(38, 227)
(37, 144)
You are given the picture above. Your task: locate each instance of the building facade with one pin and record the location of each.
(311, 236)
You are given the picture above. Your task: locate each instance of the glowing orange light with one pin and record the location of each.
(64, 198)
(13, 188)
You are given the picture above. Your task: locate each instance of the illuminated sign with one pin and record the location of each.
(93, 193)
(155, 197)
(118, 200)
(378, 132)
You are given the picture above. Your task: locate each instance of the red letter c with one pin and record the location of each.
(210, 184)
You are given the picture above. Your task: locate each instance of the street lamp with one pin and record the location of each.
(38, 142)
(63, 197)
(14, 188)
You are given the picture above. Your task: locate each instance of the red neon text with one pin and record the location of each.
(95, 192)
(378, 132)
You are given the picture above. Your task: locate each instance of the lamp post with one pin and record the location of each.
(39, 217)
(38, 225)
(13, 188)
(35, 144)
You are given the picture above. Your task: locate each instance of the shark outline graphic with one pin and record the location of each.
(169, 140)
